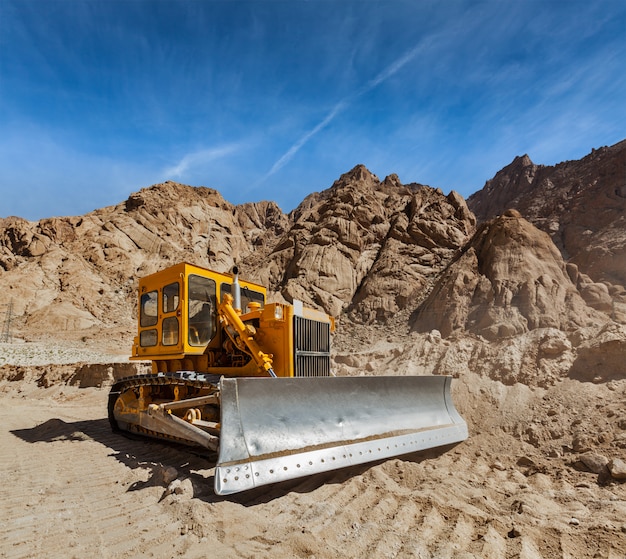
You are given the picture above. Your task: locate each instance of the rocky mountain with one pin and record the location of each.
(523, 306)
(363, 246)
(75, 273)
(582, 206)
(365, 250)
(367, 247)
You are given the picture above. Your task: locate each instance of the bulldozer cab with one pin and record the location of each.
(183, 326)
(178, 310)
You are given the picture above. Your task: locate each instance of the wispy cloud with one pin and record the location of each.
(341, 106)
(304, 139)
(199, 158)
(390, 70)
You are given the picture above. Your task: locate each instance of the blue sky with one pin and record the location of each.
(273, 100)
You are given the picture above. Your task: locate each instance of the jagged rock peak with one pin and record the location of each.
(519, 162)
(359, 174)
(169, 192)
(393, 185)
(392, 181)
(368, 248)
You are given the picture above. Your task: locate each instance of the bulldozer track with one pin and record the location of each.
(181, 378)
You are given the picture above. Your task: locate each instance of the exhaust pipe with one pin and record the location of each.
(236, 290)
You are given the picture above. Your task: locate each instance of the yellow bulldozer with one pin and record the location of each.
(252, 381)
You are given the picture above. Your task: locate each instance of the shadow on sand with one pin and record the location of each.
(140, 453)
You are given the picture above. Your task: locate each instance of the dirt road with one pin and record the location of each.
(71, 488)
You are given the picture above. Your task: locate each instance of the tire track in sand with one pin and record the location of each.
(67, 494)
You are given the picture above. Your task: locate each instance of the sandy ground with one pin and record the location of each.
(71, 488)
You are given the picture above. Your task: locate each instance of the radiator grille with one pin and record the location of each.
(311, 348)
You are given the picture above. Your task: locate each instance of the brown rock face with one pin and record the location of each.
(601, 358)
(364, 249)
(72, 273)
(510, 279)
(582, 206)
(365, 246)
(368, 247)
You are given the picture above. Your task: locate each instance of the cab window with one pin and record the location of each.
(170, 331)
(202, 310)
(149, 309)
(247, 296)
(171, 297)
(148, 338)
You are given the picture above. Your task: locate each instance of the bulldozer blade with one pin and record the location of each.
(275, 429)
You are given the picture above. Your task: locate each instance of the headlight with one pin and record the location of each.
(278, 311)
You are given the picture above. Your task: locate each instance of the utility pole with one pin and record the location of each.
(6, 330)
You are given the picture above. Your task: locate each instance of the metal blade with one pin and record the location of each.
(274, 429)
